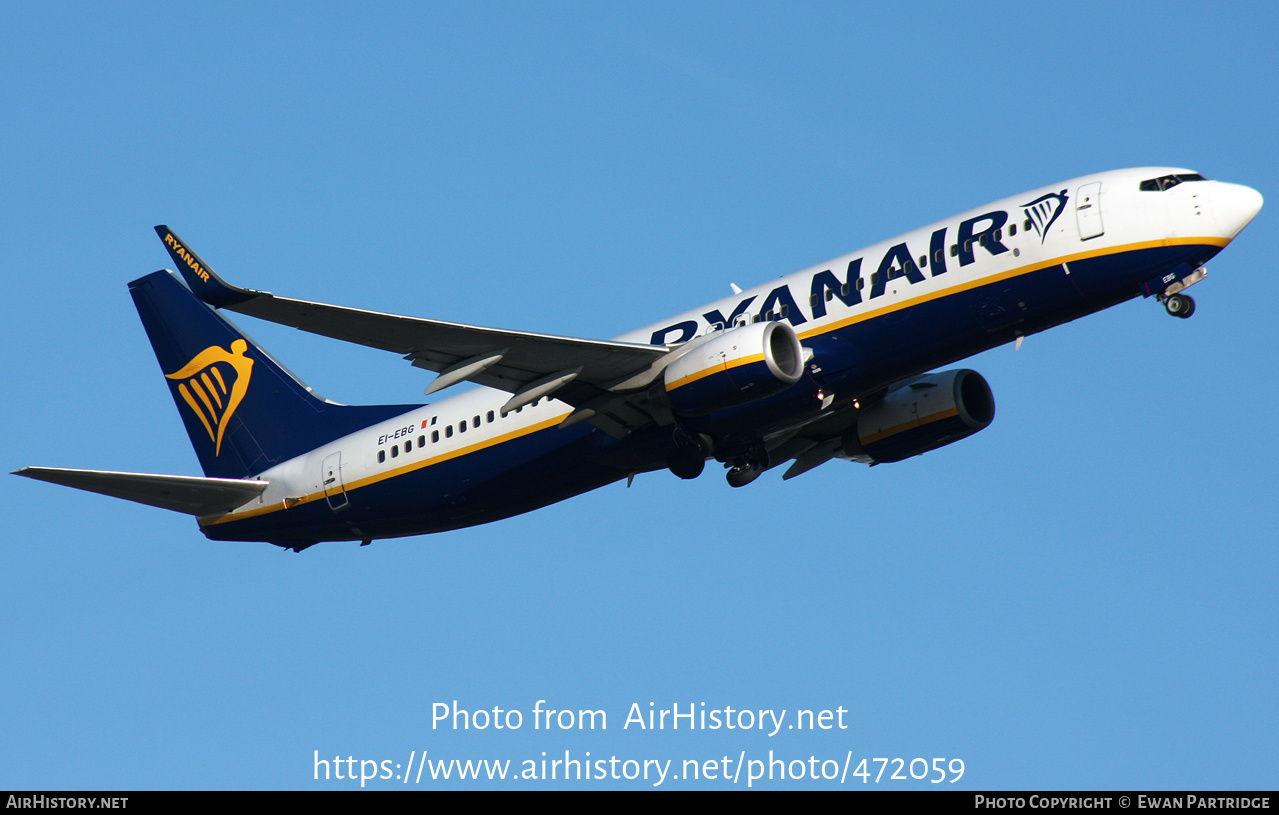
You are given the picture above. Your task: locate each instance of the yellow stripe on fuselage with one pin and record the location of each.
(815, 331)
(889, 308)
(1001, 276)
(387, 474)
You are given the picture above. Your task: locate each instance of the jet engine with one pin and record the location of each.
(919, 415)
(734, 367)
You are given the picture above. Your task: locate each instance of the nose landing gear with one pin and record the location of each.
(1169, 289)
(1179, 305)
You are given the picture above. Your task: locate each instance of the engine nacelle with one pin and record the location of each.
(921, 414)
(735, 367)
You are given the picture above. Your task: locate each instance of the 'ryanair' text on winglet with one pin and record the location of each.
(202, 280)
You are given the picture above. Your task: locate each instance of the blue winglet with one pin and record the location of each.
(202, 280)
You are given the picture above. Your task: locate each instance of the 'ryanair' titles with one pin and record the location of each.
(184, 254)
(981, 232)
(752, 381)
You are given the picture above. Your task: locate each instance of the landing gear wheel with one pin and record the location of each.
(686, 462)
(688, 458)
(743, 474)
(748, 467)
(1180, 305)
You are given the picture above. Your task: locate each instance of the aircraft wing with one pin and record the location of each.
(588, 374)
(180, 493)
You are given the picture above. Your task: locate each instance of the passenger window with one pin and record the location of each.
(475, 422)
(435, 436)
(381, 456)
(395, 450)
(448, 432)
(421, 441)
(1012, 230)
(490, 417)
(923, 261)
(461, 426)
(954, 249)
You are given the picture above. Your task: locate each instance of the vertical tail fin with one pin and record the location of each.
(243, 411)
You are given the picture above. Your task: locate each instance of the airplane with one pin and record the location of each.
(831, 362)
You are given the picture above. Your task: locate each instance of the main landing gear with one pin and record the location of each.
(748, 466)
(688, 458)
(1179, 305)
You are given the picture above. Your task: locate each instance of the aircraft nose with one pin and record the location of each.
(1234, 206)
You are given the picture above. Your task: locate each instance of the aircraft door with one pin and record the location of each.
(331, 478)
(1088, 211)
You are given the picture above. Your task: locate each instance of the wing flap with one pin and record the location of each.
(191, 495)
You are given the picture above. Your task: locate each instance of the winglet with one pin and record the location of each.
(202, 280)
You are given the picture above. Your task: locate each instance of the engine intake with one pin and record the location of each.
(921, 414)
(734, 367)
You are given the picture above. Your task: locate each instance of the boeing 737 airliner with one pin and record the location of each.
(829, 362)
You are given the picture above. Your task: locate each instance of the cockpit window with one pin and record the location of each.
(1167, 182)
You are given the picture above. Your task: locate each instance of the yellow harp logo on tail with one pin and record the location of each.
(204, 386)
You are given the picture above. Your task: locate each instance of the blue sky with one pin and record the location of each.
(1082, 596)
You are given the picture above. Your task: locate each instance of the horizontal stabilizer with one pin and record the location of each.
(180, 493)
